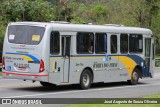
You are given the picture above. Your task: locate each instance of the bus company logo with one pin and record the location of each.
(104, 65)
(6, 101)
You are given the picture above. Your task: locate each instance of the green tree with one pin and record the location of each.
(63, 11)
(27, 10)
(91, 13)
(140, 13)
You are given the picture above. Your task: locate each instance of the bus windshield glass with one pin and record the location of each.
(24, 34)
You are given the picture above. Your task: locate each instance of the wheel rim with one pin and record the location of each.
(135, 76)
(86, 79)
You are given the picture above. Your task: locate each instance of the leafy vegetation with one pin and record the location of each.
(139, 13)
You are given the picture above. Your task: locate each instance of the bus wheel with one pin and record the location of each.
(85, 79)
(134, 78)
(46, 84)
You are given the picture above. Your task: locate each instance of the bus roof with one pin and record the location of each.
(88, 27)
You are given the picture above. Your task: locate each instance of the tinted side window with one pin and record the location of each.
(101, 43)
(55, 43)
(135, 43)
(113, 44)
(85, 43)
(124, 43)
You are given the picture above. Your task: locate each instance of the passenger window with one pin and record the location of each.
(113, 43)
(101, 43)
(135, 43)
(124, 43)
(85, 43)
(55, 43)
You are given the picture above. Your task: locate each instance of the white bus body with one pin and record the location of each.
(54, 53)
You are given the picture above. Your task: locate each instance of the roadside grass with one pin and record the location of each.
(157, 64)
(157, 56)
(0, 73)
(153, 96)
(120, 105)
(114, 105)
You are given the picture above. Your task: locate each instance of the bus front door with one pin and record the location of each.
(66, 57)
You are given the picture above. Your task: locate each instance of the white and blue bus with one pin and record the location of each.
(63, 53)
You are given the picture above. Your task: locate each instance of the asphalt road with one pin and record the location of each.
(11, 88)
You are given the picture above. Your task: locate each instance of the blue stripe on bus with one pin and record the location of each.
(136, 58)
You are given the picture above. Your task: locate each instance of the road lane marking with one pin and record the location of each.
(2, 79)
(77, 91)
(19, 85)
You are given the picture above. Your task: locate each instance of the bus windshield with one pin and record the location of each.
(24, 34)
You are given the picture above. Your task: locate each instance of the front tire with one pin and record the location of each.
(86, 79)
(135, 77)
